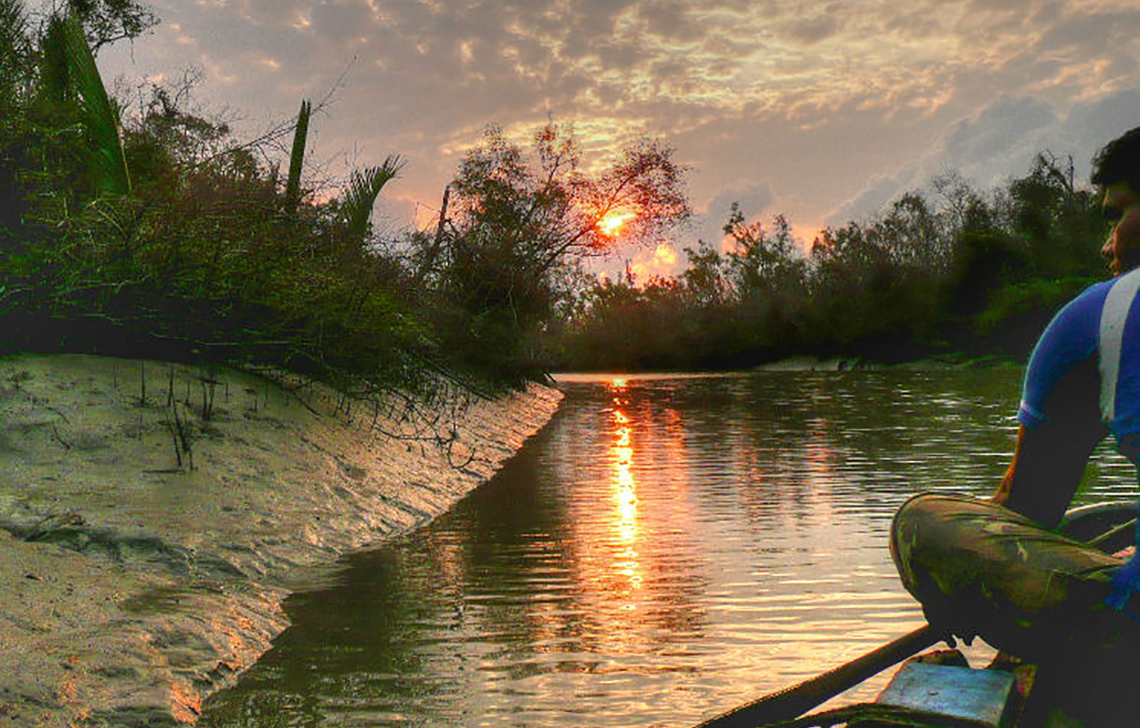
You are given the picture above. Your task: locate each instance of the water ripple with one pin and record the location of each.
(667, 548)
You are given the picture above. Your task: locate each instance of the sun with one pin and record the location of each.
(612, 223)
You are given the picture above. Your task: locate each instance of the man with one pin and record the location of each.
(1001, 572)
(1083, 380)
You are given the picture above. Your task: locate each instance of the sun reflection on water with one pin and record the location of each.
(670, 547)
(624, 495)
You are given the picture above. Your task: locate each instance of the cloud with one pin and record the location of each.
(754, 201)
(814, 110)
(810, 31)
(671, 21)
(662, 261)
(342, 21)
(876, 197)
(999, 142)
(1091, 125)
(997, 137)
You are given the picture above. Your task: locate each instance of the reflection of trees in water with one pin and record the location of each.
(804, 445)
(613, 547)
(882, 436)
(595, 550)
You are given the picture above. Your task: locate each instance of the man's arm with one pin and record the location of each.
(1059, 413)
(1048, 462)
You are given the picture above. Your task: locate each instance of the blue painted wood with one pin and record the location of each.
(976, 695)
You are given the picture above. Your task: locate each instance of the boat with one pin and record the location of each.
(1066, 660)
(1034, 593)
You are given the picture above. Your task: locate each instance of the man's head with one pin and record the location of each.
(1116, 170)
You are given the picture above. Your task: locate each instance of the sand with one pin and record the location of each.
(153, 517)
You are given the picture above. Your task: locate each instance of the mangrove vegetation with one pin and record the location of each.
(149, 230)
(946, 271)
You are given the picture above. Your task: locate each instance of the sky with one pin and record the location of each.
(824, 112)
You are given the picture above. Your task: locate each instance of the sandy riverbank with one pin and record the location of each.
(153, 517)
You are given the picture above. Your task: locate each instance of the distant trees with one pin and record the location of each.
(948, 269)
(1054, 217)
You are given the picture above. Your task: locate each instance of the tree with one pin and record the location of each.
(965, 207)
(912, 234)
(15, 71)
(362, 191)
(521, 221)
(107, 21)
(297, 158)
(545, 210)
(72, 77)
(704, 277)
(764, 262)
(14, 51)
(1060, 221)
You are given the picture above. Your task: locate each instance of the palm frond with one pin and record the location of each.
(362, 192)
(297, 158)
(100, 119)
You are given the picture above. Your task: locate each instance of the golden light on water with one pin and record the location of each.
(624, 494)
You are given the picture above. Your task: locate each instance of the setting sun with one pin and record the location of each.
(612, 223)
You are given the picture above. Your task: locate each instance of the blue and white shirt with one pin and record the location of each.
(1092, 344)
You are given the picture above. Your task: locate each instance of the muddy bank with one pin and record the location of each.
(154, 516)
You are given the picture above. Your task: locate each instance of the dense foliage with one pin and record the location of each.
(159, 235)
(150, 237)
(946, 269)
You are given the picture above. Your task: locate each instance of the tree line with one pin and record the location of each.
(946, 270)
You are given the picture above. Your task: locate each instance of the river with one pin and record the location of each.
(666, 548)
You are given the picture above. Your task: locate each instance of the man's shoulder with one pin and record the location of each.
(1078, 324)
(1097, 290)
(1115, 293)
(1089, 302)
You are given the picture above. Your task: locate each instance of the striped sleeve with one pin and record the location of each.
(1069, 340)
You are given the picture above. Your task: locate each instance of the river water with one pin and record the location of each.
(666, 548)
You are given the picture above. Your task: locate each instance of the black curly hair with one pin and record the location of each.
(1119, 161)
